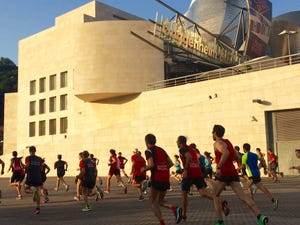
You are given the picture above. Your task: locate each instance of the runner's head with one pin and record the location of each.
(181, 140)
(15, 153)
(32, 149)
(150, 140)
(59, 157)
(218, 131)
(246, 147)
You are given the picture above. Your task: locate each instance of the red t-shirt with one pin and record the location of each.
(228, 168)
(161, 170)
(121, 161)
(139, 162)
(114, 162)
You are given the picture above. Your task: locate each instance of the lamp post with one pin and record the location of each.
(288, 33)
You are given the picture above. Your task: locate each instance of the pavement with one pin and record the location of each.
(118, 208)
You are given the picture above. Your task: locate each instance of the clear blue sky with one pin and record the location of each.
(22, 18)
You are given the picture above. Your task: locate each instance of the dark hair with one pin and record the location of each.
(150, 139)
(258, 149)
(120, 153)
(32, 149)
(112, 151)
(193, 145)
(237, 148)
(219, 129)
(181, 139)
(247, 147)
(14, 153)
(92, 155)
(59, 156)
(85, 154)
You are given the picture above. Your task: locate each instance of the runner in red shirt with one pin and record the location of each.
(114, 170)
(18, 173)
(272, 164)
(192, 175)
(123, 161)
(226, 174)
(138, 176)
(159, 163)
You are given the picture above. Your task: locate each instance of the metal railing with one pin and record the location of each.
(248, 67)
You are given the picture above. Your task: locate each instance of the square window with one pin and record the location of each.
(42, 106)
(52, 82)
(32, 108)
(64, 79)
(42, 128)
(42, 84)
(32, 87)
(52, 126)
(52, 104)
(31, 129)
(63, 125)
(63, 102)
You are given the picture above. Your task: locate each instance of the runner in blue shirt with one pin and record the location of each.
(250, 162)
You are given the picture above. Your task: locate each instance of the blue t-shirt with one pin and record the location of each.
(250, 160)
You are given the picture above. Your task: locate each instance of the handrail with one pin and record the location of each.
(243, 68)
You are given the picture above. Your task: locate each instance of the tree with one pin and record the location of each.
(8, 82)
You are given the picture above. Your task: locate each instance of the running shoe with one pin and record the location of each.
(67, 187)
(19, 197)
(129, 180)
(77, 198)
(37, 211)
(275, 204)
(86, 209)
(46, 199)
(220, 223)
(144, 186)
(225, 208)
(141, 198)
(107, 191)
(253, 188)
(184, 218)
(125, 190)
(100, 192)
(35, 195)
(55, 189)
(178, 214)
(263, 220)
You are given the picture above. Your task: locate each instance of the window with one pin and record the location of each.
(32, 108)
(52, 104)
(32, 87)
(42, 106)
(63, 102)
(42, 84)
(42, 127)
(32, 129)
(52, 126)
(64, 79)
(52, 82)
(63, 125)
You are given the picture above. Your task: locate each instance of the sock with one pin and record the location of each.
(258, 216)
(272, 200)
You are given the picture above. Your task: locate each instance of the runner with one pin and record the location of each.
(159, 163)
(88, 174)
(192, 175)
(95, 162)
(45, 171)
(138, 177)
(78, 180)
(249, 161)
(226, 174)
(33, 168)
(272, 164)
(114, 170)
(61, 167)
(18, 173)
(123, 161)
(178, 169)
(2, 172)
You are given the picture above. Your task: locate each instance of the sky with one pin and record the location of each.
(22, 18)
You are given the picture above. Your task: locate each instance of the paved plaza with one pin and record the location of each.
(119, 209)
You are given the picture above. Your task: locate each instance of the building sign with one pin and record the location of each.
(187, 38)
(260, 27)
